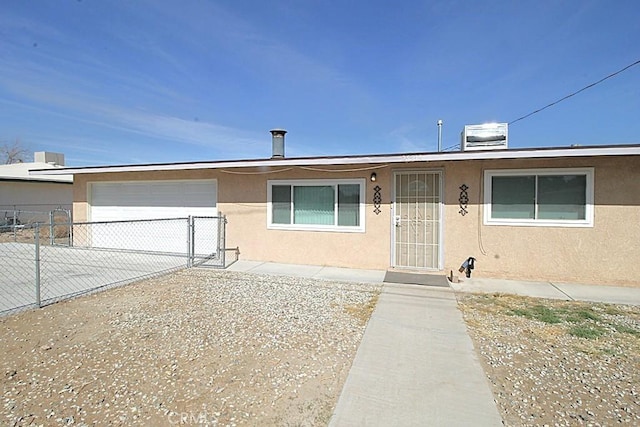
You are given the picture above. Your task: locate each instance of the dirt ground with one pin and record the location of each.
(558, 363)
(26, 234)
(198, 347)
(207, 347)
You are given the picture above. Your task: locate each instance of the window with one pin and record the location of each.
(332, 205)
(540, 197)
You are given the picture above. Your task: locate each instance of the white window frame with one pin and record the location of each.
(587, 222)
(319, 182)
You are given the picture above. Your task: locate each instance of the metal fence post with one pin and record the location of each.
(222, 228)
(37, 238)
(69, 221)
(14, 223)
(51, 236)
(189, 241)
(193, 240)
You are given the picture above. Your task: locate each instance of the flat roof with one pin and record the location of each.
(22, 172)
(526, 153)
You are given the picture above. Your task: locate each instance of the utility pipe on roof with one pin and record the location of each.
(277, 143)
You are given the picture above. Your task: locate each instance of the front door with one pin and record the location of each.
(417, 219)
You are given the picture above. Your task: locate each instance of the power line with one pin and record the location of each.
(454, 146)
(575, 93)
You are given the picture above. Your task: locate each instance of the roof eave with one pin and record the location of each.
(620, 150)
(36, 179)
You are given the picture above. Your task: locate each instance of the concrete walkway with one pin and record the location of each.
(416, 364)
(555, 290)
(310, 271)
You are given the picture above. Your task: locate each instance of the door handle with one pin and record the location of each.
(397, 220)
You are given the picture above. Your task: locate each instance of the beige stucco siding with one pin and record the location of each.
(243, 198)
(605, 253)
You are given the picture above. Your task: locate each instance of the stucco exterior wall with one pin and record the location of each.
(605, 253)
(248, 209)
(242, 197)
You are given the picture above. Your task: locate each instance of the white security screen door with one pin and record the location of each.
(417, 219)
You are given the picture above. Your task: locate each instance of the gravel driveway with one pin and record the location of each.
(198, 346)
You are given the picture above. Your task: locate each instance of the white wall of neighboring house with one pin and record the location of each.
(23, 191)
(34, 195)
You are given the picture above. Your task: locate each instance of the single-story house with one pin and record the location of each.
(21, 191)
(567, 214)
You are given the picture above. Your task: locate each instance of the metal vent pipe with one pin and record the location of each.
(277, 143)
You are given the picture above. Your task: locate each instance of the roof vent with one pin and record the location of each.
(488, 136)
(277, 143)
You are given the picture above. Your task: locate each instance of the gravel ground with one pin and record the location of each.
(200, 347)
(558, 363)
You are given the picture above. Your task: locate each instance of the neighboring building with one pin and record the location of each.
(24, 192)
(558, 214)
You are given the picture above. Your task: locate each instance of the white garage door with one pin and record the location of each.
(141, 200)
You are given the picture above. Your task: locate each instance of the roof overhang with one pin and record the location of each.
(36, 180)
(537, 153)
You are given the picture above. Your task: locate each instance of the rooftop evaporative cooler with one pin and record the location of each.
(488, 136)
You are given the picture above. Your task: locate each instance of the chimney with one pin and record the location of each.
(277, 143)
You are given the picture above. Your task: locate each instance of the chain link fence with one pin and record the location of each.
(58, 260)
(17, 225)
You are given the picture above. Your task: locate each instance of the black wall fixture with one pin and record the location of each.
(463, 199)
(377, 199)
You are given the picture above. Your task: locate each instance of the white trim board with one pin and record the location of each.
(583, 151)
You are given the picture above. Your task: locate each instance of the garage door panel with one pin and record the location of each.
(128, 213)
(149, 195)
(168, 236)
(129, 201)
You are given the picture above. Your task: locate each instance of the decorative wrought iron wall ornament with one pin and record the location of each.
(463, 200)
(377, 199)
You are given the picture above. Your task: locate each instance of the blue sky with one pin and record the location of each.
(145, 81)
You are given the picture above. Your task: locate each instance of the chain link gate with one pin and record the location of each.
(207, 241)
(60, 230)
